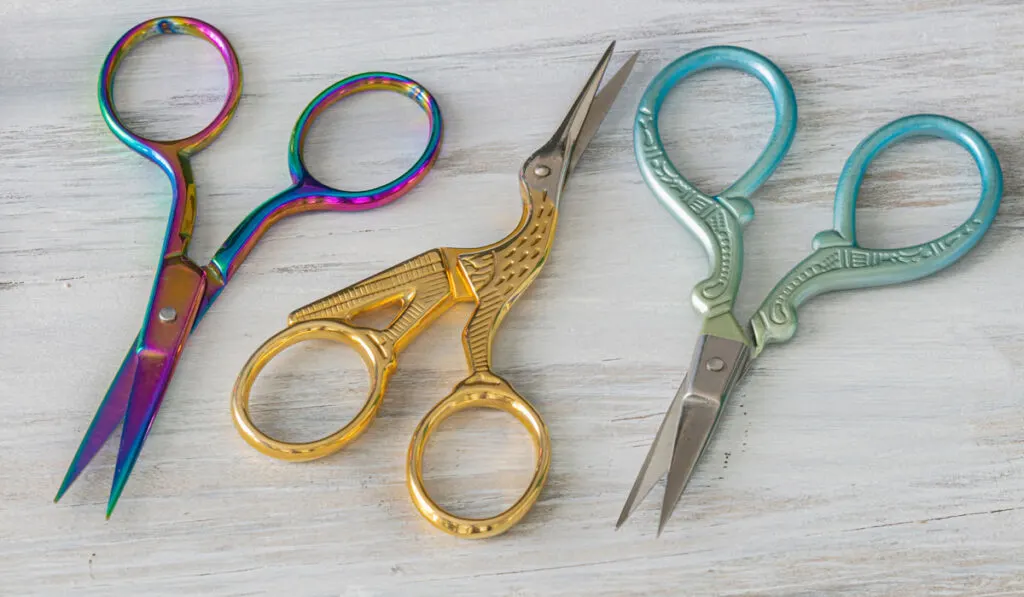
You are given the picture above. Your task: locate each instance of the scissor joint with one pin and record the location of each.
(717, 364)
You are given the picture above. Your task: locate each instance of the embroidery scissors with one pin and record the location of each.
(183, 291)
(493, 277)
(725, 350)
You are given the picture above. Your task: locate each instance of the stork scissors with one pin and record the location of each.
(183, 291)
(492, 277)
(725, 349)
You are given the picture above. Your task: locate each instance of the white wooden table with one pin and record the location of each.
(879, 453)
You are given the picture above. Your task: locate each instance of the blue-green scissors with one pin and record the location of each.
(725, 349)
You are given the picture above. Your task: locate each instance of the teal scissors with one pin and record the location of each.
(725, 349)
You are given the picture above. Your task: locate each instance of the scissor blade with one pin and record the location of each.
(151, 378)
(659, 457)
(568, 132)
(108, 416)
(564, 139)
(177, 297)
(599, 109)
(695, 425)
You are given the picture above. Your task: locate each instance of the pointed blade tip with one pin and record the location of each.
(666, 514)
(627, 68)
(112, 502)
(61, 491)
(121, 475)
(623, 516)
(663, 521)
(631, 60)
(69, 479)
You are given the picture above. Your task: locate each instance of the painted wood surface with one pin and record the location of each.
(881, 452)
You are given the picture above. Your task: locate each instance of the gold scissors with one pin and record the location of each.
(493, 277)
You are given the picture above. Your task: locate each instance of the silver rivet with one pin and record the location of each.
(167, 314)
(715, 364)
(542, 171)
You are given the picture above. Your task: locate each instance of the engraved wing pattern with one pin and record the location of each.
(500, 273)
(420, 284)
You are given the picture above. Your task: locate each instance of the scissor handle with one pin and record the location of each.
(716, 221)
(309, 194)
(423, 288)
(839, 263)
(388, 192)
(161, 151)
(480, 390)
(378, 356)
(420, 286)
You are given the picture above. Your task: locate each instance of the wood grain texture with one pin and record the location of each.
(881, 452)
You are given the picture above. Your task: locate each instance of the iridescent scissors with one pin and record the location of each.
(724, 349)
(183, 291)
(492, 277)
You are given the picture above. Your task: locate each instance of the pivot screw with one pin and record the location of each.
(167, 314)
(715, 364)
(542, 171)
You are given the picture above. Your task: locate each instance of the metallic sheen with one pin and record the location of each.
(492, 278)
(725, 348)
(182, 290)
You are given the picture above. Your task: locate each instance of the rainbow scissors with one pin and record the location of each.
(724, 349)
(183, 291)
(492, 277)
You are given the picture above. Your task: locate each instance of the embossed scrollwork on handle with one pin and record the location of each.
(716, 229)
(838, 263)
(717, 222)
